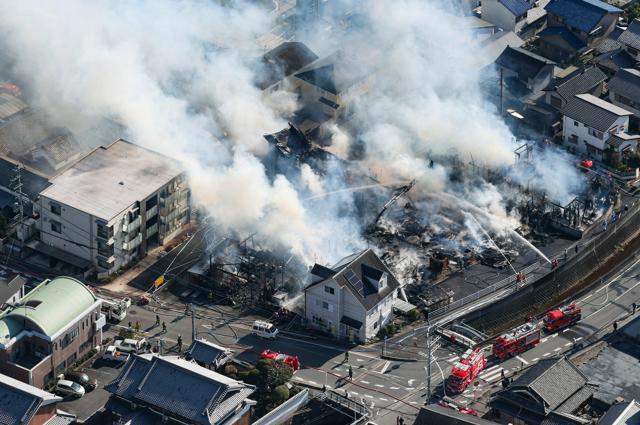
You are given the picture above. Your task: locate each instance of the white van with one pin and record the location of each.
(131, 345)
(264, 329)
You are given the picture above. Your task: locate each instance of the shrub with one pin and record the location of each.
(280, 393)
(413, 315)
(230, 370)
(125, 333)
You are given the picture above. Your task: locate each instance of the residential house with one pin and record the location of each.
(574, 81)
(480, 29)
(111, 208)
(435, 414)
(575, 25)
(353, 299)
(626, 413)
(510, 15)
(48, 330)
(492, 48)
(11, 289)
(208, 354)
(588, 124)
(23, 404)
(524, 72)
(624, 91)
(630, 40)
(551, 388)
(175, 390)
(329, 85)
(282, 62)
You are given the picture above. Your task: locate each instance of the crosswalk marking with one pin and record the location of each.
(522, 360)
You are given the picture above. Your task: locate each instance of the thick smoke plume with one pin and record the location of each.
(180, 76)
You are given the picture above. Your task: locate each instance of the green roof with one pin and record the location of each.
(61, 301)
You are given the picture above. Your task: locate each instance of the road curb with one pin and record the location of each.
(398, 359)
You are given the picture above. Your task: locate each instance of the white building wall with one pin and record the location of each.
(315, 307)
(493, 11)
(571, 127)
(75, 226)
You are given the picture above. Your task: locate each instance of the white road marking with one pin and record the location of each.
(355, 393)
(313, 382)
(413, 402)
(394, 388)
(546, 354)
(411, 381)
(385, 367)
(383, 399)
(492, 368)
(368, 396)
(365, 382)
(543, 340)
(568, 344)
(557, 349)
(453, 359)
(535, 360)
(522, 360)
(578, 339)
(379, 385)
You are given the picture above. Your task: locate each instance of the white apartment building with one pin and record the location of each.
(353, 299)
(589, 122)
(113, 206)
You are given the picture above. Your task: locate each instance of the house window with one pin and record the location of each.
(56, 226)
(595, 133)
(327, 306)
(317, 320)
(575, 123)
(329, 290)
(55, 208)
(375, 325)
(573, 139)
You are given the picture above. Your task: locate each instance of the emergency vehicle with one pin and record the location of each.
(516, 341)
(465, 370)
(284, 358)
(453, 404)
(561, 317)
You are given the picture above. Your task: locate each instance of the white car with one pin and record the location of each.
(68, 388)
(112, 353)
(131, 345)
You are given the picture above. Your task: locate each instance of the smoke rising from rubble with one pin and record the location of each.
(180, 76)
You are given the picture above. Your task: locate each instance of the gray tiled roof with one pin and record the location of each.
(434, 414)
(556, 418)
(361, 265)
(577, 399)
(523, 62)
(553, 380)
(593, 112)
(19, 402)
(627, 83)
(631, 36)
(168, 383)
(205, 352)
(581, 82)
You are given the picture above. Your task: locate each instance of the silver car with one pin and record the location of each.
(68, 388)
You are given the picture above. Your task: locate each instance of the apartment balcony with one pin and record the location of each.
(170, 217)
(152, 230)
(132, 244)
(132, 226)
(152, 212)
(168, 199)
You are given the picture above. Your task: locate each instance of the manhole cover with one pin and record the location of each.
(132, 312)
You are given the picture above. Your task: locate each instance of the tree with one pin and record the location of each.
(273, 373)
(633, 12)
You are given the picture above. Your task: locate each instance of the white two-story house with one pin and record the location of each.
(353, 299)
(589, 122)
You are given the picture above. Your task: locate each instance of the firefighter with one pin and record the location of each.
(576, 248)
(634, 306)
(157, 320)
(615, 326)
(346, 356)
(164, 327)
(350, 373)
(180, 343)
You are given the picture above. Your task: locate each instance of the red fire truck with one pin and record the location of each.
(561, 317)
(516, 341)
(465, 370)
(285, 358)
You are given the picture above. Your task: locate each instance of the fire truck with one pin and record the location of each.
(284, 358)
(561, 317)
(516, 341)
(465, 370)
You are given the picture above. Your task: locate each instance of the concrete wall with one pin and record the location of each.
(493, 11)
(584, 139)
(76, 226)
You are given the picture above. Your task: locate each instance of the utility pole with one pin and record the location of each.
(193, 323)
(432, 346)
(16, 186)
(501, 85)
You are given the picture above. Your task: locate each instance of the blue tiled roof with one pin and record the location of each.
(517, 7)
(566, 35)
(581, 14)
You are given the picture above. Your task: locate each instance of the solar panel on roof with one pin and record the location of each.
(355, 281)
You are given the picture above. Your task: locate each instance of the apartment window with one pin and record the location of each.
(329, 290)
(56, 208)
(573, 139)
(104, 231)
(595, 133)
(575, 123)
(56, 226)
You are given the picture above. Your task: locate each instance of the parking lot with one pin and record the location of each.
(92, 401)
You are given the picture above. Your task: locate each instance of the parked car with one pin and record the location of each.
(83, 379)
(131, 345)
(112, 354)
(67, 388)
(264, 329)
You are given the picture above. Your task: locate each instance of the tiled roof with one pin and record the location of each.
(593, 112)
(205, 352)
(580, 82)
(631, 36)
(582, 14)
(577, 399)
(553, 380)
(566, 35)
(622, 414)
(284, 60)
(523, 62)
(19, 402)
(168, 383)
(614, 60)
(434, 414)
(627, 83)
(365, 266)
(516, 7)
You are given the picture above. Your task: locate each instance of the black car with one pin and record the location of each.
(83, 379)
